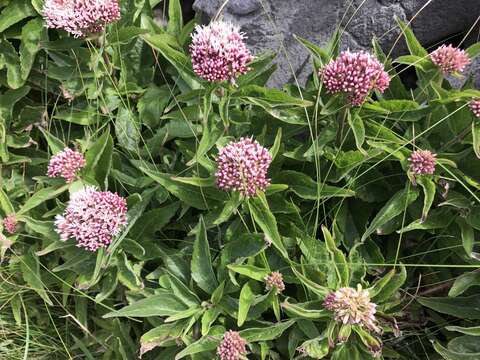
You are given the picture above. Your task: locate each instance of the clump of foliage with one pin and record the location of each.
(203, 215)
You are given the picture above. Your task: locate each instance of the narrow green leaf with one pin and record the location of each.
(395, 206)
(16, 11)
(473, 331)
(356, 124)
(461, 307)
(30, 267)
(264, 218)
(206, 343)
(429, 189)
(307, 188)
(41, 196)
(202, 271)
(175, 18)
(272, 332)
(463, 283)
(413, 44)
(339, 260)
(32, 34)
(468, 235)
(161, 304)
(251, 271)
(245, 301)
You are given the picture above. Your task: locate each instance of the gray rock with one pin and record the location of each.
(272, 24)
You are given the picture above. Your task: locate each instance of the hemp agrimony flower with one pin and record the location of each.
(218, 52)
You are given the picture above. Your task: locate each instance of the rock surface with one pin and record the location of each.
(272, 24)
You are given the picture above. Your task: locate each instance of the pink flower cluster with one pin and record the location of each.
(450, 59)
(242, 166)
(274, 280)
(475, 107)
(354, 74)
(93, 218)
(10, 223)
(353, 306)
(422, 162)
(218, 52)
(66, 164)
(232, 347)
(80, 17)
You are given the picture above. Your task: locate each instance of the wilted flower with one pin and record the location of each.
(274, 280)
(355, 74)
(80, 17)
(352, 306)
(242, 166)
(422, 162)
(66, 164)
(475, 107)
(232, 347)
(218, 52)
(450, 59)
(93, 218)
(10, 223)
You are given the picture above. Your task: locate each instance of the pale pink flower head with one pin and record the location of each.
(80, 17)
(218, 52)
(352, 306)
(450, 59)
(93, 218)
(10, 223)
(242, 166)
(274, 280)
(355, 74)
(232, 347)
(475, 107)
(66, 164)
(422, 162)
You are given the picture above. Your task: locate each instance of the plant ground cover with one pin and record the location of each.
(158, 201)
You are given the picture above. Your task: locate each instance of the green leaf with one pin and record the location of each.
(208, 318)
(461, 307)
(339, 260)
(54, 144)
(464, 282)
(202, 271)
(473, 331)
(30, 267)
(10, 59)
(273, 97)
(267, 333)
(181, 290)
(429, 189)
(356, 124)
(316, 348)
(264, 218)
(41, 196)
(200, 198)
(476, 138)
(16, 11)
(206, 343)
(153, 221)
(127, 129)
(175, 18)
(321, 291)
(468, 235)
(99, 158)
(161, 335)
(251, 271)
(161, 304)
(245, 301)
(413, 44)
(152, 104)
(473, 50)
(32, 34)
(310, 310)
(389, 289)
(307, 188)
(449, 354)
(397, 204)
(170, 49)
